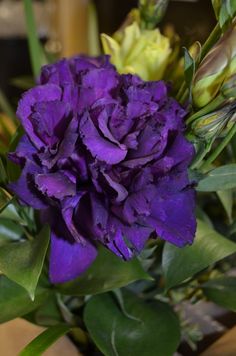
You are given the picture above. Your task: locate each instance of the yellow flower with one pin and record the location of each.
(138, 51)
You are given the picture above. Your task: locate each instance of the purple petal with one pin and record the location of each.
(57, 73)
(106, 81)
(103, 121)
(69, 260)
(25, 188)
(55, 185)
(173, 211)
(99, 147)
(65, 149)
(119, 189)
(50, 120)
(69, 206)
(119, 247)
(25, 150)
(43, 93)
(137, 236)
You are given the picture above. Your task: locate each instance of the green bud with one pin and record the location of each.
(215, 124)
(218, 64)
(152, 12)
(228, 89)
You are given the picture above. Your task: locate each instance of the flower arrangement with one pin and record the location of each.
(108, 184)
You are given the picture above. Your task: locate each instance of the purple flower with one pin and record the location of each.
(105, 159)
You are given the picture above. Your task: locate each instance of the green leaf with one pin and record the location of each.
(106, 273)
(11, 213)
(3, 173)
(22, 262)
(221, 178)
(13, 169)
(48, 313)
(189, 67)
(5, 199)
(24, 82)
(227, 11)
(15, 301)
(152, 330)
(201, 215)
(221, 291)
(182, 263)
(42, 342)
(9, 231)
(36, 53)
(226, 198)
(224, 16)
(224, 10)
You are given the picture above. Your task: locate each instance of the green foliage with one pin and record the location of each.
(121, 322)
(13, 170)
(226, 198)
(42, 342)
(106, 273)
(36, 52)
(9, 231)
(15, 301)
(222, 291)
(207, 248)
(5, 199)
(150, 328)
(224, 11)
(22, 262)
(221, 178)
(189, 69)
(3, 173)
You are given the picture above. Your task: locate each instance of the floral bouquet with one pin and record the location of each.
(117, 188)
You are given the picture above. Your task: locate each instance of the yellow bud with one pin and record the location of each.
(142, 52)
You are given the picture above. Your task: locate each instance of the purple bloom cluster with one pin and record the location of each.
(105, 159)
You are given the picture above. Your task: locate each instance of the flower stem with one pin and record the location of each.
(213, 105)
(181, 91)
(219, 148)
(200, 155)
(215, 34)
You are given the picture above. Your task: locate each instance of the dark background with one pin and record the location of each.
(192, 21)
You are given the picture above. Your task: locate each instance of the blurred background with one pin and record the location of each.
(64, 27)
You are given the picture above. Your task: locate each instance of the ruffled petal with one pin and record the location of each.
(69, 260)
(25, 187)
(173, 210)
(43, 93)
(55, 185)
(99, 147)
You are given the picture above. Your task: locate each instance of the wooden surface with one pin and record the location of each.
(16, 334)
(224, 346)
(69, 26)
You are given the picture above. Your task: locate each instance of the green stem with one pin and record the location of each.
(184, 97)
(201, 154)
(214, 36)
(33, 41)
(219, 148)
(181, 91)
(213, 105)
